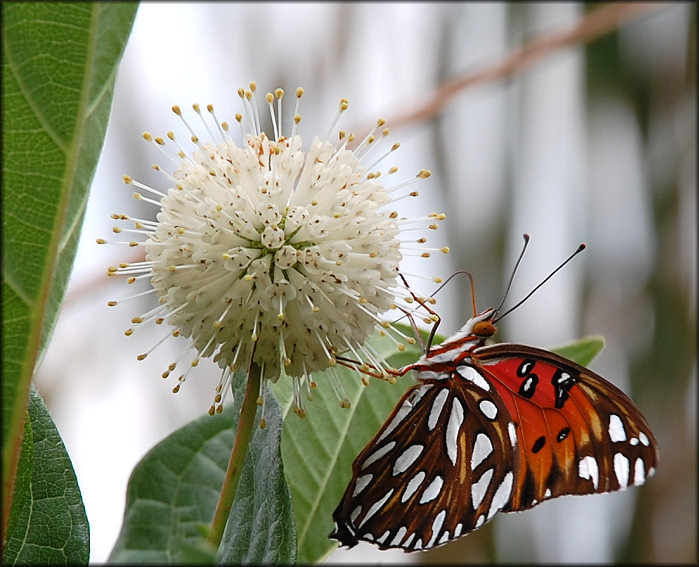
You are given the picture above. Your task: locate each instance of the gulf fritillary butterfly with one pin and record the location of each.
(489, 429)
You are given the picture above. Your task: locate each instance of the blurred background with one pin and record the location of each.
(593, 143)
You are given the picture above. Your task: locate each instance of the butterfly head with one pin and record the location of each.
(476, 330)
(482, 325)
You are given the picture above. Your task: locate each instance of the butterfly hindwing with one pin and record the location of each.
(440, 467)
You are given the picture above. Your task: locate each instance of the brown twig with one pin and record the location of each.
(594, 25)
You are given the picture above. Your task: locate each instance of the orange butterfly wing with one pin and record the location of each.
(578, 433)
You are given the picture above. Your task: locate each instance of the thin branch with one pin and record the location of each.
(594, 25)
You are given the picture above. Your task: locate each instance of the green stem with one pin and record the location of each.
(235, 464)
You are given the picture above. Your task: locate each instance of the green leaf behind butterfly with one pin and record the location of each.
(583, 351)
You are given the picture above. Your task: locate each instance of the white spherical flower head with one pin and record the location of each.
(280, 255)
(270, 253)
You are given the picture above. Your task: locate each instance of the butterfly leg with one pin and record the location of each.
(433, 318)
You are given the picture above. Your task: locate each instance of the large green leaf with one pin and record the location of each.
(48, 525)
(59, 67)
(173, 491)
(318, 451)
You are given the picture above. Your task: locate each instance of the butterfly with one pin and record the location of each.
(487, 429)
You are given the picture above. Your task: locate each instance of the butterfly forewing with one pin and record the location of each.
(440, 467)
(578, 433)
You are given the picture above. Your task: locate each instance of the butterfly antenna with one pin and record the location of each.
(511, 309)
(514, 271)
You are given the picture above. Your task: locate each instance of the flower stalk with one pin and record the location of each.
(244, 432)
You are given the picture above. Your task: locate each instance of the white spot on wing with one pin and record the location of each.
(456, 418)
(432, 490)
(457, 529)
(478, 489)
(480, 521)
(399, 536)
(472, 375)
(481, 449)
(547, 494)
(401, 414)
(437, 407)
(376, 455)
(355, 513)
(446, 356)
(639, 472)
(408, 541)
(405, 409)
(413, 485)
(433, 374)
(376, 506)
(502, 494)
(616, 429)
(512, 432)
(444, 538)
(406, 459)
(361, 484)
(587, 469)
(384, 537)
(563, 377)
(644, 439)
(489, 409)
(437, 527)
(621, 470)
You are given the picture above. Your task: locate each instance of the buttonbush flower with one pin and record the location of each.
(270, 252)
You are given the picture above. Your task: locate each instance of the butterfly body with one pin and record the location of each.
(489, 428)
